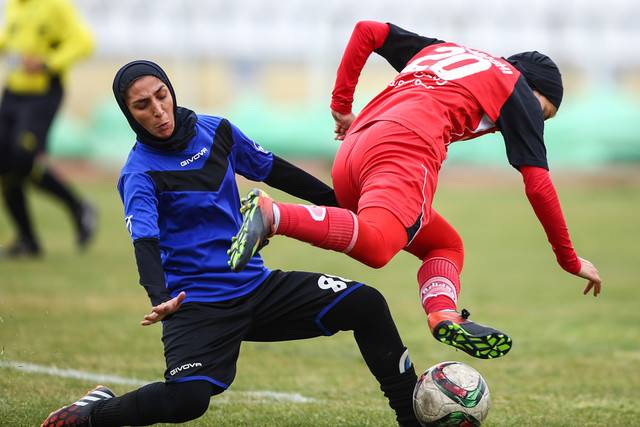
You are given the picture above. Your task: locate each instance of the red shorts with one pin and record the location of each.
(388, 166)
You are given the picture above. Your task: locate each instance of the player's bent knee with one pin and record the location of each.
(372, 301)
(376, 258)
(364, 308)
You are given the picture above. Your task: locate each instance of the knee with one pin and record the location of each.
(377, 257)
(372, 301)
(380, 237)
(452, 249)
(360, 309)
(369, 310)
(190, 400)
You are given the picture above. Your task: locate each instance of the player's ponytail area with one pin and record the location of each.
(574, 360)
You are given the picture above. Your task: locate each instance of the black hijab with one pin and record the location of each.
(185, 119)
(542, 74)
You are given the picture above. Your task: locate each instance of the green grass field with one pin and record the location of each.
(575, 360)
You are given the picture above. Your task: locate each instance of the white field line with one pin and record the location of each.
(107, 379)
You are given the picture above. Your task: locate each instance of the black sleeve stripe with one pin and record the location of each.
(521, 123)
(150, 269)
(402, 45)
(207, 178)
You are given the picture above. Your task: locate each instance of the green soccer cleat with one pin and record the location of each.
(454, 329)
(257, 226)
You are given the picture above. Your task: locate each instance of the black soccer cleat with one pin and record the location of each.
(22, 248)
(257, 226)
(86, 220)
(78, 414)
(454, 329)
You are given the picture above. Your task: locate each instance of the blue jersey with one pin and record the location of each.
(189, 201)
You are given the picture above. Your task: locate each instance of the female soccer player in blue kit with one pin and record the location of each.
(182, 207)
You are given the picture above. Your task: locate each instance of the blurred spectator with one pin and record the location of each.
(41, 39)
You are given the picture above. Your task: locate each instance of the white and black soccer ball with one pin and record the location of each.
(451, 394)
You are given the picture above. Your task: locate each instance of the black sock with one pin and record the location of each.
(49, 182)
(14, 198)
(155, 403)
(366, 312)
(398, 389)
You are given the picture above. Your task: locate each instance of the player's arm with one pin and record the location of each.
(393, 43)
(299, 183)
(3, 39)
(77, 40)
(151, 273)
(521, 123)
(141, 219)
(367, 36)
(3, 27)
(257, 164)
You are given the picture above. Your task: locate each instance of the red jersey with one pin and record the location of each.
(446, 92)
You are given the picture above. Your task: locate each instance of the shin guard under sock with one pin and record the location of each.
(50, 183)
(398, 389)
(14, 198)
(439, 283)
(155, 403)
(325, 227)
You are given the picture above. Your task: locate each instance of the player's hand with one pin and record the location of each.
(590, 272)
(32, 65)
(343, 121)
(161, 311)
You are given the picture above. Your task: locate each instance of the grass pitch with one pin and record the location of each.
(575, 360)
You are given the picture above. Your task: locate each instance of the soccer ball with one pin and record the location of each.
(451, 394)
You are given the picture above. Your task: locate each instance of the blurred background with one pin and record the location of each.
(269, 67)
(271, 71)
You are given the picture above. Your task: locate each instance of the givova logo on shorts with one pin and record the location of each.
(185, 367)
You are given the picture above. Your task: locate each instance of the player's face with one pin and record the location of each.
(151, 104)
(548, 109)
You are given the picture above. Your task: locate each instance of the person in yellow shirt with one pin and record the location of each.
(40, 40)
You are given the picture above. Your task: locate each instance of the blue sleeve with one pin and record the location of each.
(138, 195)
(249, 159)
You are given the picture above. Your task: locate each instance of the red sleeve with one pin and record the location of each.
(544, 200)
(367, 36)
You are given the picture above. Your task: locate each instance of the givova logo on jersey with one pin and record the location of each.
(193, 158)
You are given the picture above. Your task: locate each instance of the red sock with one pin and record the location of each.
(325, 227)
(439, 283)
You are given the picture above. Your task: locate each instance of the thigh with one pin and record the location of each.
(438, 238)
(7, 132)
(34, 117)
(292, 305)
(202, 341)
(398, 171)
(344, 185)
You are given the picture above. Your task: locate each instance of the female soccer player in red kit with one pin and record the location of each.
(386, 170)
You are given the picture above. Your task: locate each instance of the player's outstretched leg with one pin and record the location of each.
(78, 413)
(440, 247)
(257, 226)
(454, 329)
